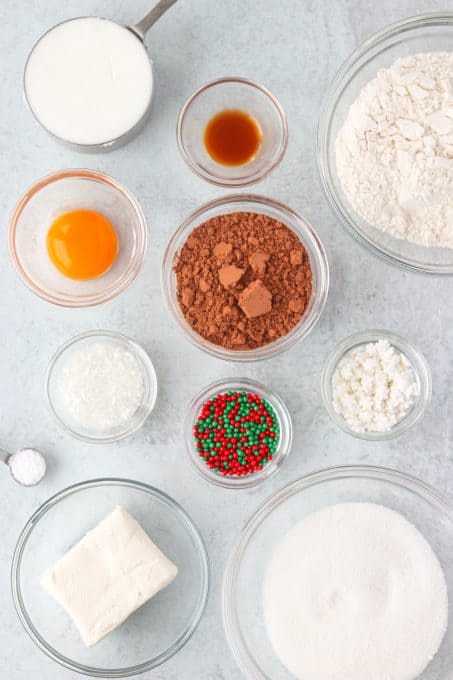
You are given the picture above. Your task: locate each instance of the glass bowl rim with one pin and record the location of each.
(137, 257)
(307, 235)
(286, 432)
(335, 473)
(331, 97)
(233, 182)
(110, 143)
(420, 368)
(22, 611)
(136, 349)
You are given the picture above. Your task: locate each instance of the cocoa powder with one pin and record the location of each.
(243, 280)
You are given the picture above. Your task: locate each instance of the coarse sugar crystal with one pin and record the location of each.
(101, 386)
(373, 387)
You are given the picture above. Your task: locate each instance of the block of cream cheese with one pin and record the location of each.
(109, 574)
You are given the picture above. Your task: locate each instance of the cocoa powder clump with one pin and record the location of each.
(243, 280)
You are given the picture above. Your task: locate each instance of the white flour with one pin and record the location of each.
(394, 153)
(355, 592)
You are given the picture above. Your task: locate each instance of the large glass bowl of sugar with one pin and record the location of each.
(242, 595)
(153, 633)
(431, 32)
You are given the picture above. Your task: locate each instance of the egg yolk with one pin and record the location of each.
(82, 244)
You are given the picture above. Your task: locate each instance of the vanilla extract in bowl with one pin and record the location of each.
(232, 137)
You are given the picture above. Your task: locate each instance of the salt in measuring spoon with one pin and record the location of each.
(47, 99)
(13, 460)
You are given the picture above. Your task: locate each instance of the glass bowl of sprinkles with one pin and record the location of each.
(77, 238)
(100, 386)
(258, 206)
(232, 132)
(375, 385)
(237, 432)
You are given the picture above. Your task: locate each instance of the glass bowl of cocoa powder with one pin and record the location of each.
(272, 462)
(245, 277)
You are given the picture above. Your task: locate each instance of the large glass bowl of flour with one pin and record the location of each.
(421, 34)
(247, 567)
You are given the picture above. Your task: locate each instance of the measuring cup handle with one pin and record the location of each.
(4, 456)
(150, 19)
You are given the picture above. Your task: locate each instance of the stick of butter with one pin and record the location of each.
(109, 574)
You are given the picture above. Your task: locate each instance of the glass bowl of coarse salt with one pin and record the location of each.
(352, 586)
(101, 386)
(375, 385)
(385, 144)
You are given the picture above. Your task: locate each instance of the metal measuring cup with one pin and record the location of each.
(139, 30)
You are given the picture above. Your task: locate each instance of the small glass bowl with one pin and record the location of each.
(242, 597)
(232, 93)
(108, 144)
(152, 634)
(425, 33)
(62, 192)
(420, 368)
(54, 399)
(284, 422)
(278, 211)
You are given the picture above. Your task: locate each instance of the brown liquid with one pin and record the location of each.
(232, 137)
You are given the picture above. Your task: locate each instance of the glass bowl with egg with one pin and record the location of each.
(246, 622)
(100, 386)
(77, 238)
(295, 223)
(282, 417)
(432, 32)
(420, 379)
(153, 633)
(232, 132)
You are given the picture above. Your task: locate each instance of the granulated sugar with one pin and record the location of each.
(355, 592)
(394, 153)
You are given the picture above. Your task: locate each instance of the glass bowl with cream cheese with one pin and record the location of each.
(349, 595)
(101, 386)
(150, 635)
(420, 198)
(89, 82)
(375, 385)
(69, 192)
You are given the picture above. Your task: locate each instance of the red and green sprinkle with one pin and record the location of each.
(236, 433)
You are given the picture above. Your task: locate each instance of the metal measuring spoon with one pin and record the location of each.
(12, 460)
